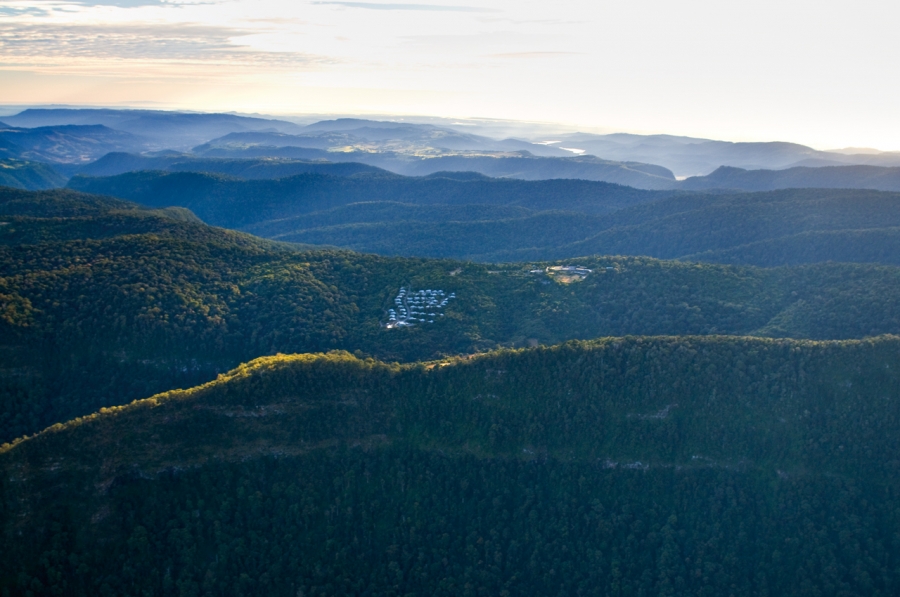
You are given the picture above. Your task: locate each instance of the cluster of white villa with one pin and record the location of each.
(421, 306)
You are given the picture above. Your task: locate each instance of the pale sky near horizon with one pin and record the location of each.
(820, 72)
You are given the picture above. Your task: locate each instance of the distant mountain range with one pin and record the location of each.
(501, 220)
(826, 177)
(158, 129)
(689, 156)
(528, 168)
(65, 144)
(73, 140)
(251, 168)
(369, 135)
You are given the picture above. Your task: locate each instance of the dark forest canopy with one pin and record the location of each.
(498, 220)
(691, 466)
(103, 302)
(232, 203)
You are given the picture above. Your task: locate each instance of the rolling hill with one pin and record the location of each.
(253, 169)
(103, 302)
(281, 162)
(553, 219)
(776, 228)
(380, 136)
(523, 161)
(690, 466)
(66, 144)
(224, 201)
(32, 176)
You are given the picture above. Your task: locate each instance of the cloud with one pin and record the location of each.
(528, 55)
(393, 6)
(111, 47)
(58, 3)
(119, 3)
(14, 11)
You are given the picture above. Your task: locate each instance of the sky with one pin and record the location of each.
(823, 72)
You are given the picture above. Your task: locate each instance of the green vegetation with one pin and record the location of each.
(108, 302)
(493, 220)
(232, 203)
(626, 466)
(874, 245)
(20, 174)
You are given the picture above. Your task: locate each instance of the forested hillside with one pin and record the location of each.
(635, 466)
(102, 302)
(20, 174)
(65, 144)
(453, 216)
(224, 201)
(687, 226)
(262, 168)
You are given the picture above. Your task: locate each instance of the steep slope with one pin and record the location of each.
(638, 465)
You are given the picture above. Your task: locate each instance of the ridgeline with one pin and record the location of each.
(636, 466)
